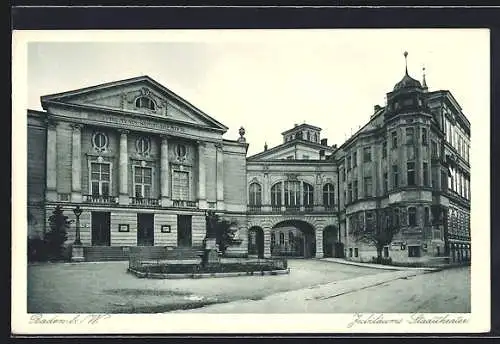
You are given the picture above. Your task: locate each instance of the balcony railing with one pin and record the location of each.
(101, 199)
(292, 208)
(150, 202)
(276, 208)
(184, 204)
(254, 208)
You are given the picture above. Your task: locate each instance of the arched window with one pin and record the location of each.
(276, 195)
(255, 194)
(145, 102)
(308, 195)
(328, 195)
(273, 240)
(315, 137)
(292, 193)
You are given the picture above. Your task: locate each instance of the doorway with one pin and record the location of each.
(184, 228)
(101, 228)
(145, 229)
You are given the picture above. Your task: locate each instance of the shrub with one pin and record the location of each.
(57, 236)
(37, 250)
(382, 260)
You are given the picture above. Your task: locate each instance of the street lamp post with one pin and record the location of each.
(78, 212)
(77, 254)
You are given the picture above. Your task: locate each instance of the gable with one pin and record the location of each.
(123, 95)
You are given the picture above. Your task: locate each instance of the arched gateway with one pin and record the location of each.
(293, 238)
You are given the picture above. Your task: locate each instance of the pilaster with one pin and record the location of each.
(164, 173)
(220, 176)
(202, 198)
(51, 171)
(123, 166)
(76, 163)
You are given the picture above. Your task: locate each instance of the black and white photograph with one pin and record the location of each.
(326, 180)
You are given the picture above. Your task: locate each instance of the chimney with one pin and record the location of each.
(324, 142)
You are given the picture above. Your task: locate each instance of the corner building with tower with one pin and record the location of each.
(144, 166)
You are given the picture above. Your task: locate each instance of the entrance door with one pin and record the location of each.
(184, 230)
(145, 229)
(100, 228)
(329, 239)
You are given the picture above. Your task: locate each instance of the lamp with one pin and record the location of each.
(78, 212)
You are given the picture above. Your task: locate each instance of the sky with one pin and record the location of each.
(266, 81)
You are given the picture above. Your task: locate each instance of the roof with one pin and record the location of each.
(290, 144)
(303, 125)
(144, 78)
(407, 82)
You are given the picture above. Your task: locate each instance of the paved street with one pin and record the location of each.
(312, 286)
(446, 291)
(106, 287)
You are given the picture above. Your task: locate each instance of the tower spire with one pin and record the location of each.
(406, 62)
(424, 83)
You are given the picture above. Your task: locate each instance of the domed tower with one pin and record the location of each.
(408, 95)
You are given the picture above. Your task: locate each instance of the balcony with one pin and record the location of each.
(254, 208)
(100, 199)
(148, 202)
(184, 204)
(292, 208)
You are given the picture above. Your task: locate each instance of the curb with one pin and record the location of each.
(140, 274)
(381, 267)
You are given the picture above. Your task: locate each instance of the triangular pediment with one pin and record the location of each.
(123, 96)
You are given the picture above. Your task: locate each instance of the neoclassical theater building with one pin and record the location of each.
(145, 166)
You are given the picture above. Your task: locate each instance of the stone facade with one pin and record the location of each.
(145, 166)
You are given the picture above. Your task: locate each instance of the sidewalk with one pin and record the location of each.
(378, 266)
(316, 299)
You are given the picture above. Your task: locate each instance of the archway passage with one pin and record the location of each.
(256, 242)
(293, 238)
(330, 241)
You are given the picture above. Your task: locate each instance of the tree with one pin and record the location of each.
(378, 232)
(220, 229)
(58, 233)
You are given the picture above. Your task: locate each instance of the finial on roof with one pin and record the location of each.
(406, 62)
(424, 83)
(241, 139)
(265, 146)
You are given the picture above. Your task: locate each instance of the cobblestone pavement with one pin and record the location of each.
(106, 287)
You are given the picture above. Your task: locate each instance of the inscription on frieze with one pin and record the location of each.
(143, 123)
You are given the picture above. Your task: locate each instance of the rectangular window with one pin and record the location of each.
(424, 136)
(368, 186)
(354, 159)
(409, 136)
(180, 189)
(367, 154)
(467, 153)
(349, 193)
(348, 163)
(444, 181)
(425, 167)
(412, 216)
(434, 178)
(434, 149)
(350, 251)
(356, 252)
(355, 192)
(395, 176)
(142, 182)
(384, 149)
(427, 219)
(396, 217)
(394, 139)
(343, 174)
(100, 179)
(410, 171)
(386, 183)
